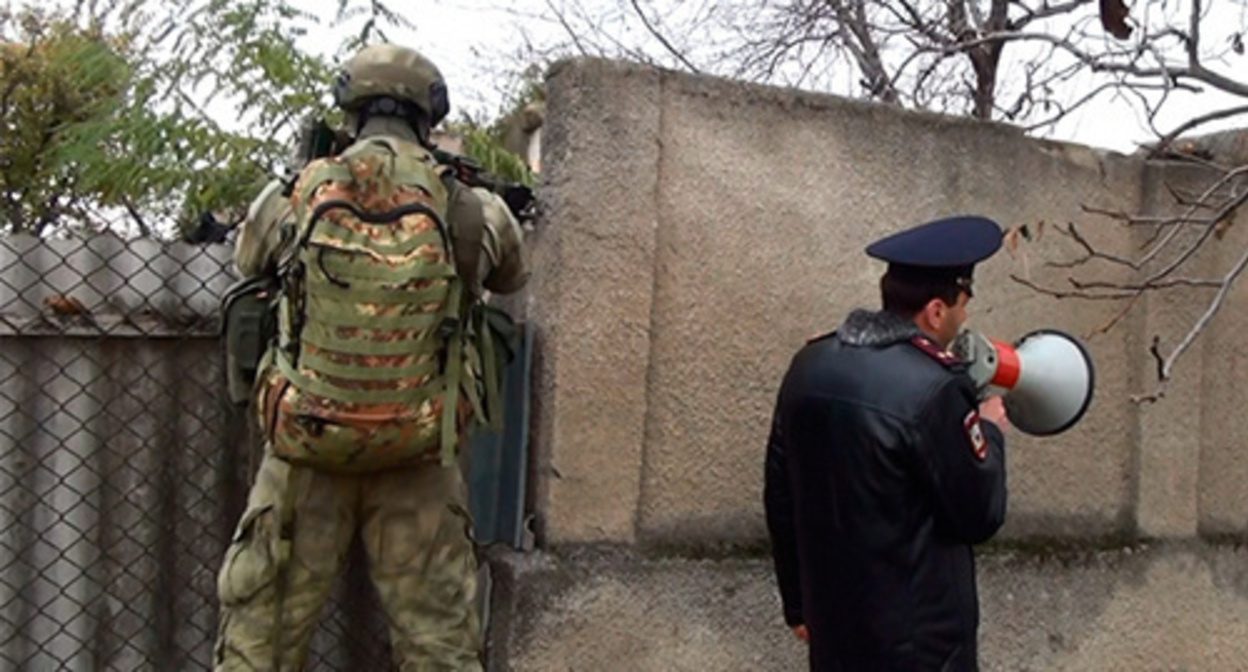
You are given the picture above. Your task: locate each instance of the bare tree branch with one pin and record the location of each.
(1195, 122)
(1169, 283)
(1044, 12)
(1224, 211)
(1090, 252)
(1030, 62)
(1201, 324)
(1118, 317)
(676, 53)
(1114, 295)
(856, 33)
(572, 34)
(144, 229)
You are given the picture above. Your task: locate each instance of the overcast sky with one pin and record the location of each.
(475, 44)
(472, 41)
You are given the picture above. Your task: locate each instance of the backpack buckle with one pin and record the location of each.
(448, 328)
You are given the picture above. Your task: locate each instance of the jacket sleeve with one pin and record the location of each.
(963, 459)
(781, 524)
(256, 250)
(505, 264)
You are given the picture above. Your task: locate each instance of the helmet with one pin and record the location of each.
(391, 71)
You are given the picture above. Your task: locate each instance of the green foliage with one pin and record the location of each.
(113, 107)
(485, 145)
(486, 142)
(140, 115)
(53, 76)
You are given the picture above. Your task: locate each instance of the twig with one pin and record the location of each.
(563, 21)
(1044, 12)
(1155, 351)
(1098, 63)
(1077, 294)
(1193, 202)
(1118, 317)
(1160, 391)
(144, 229)
(1164, 284)
(679, 55)
(1133, 220)
(1170, 137)
(1214, 306)
(1187, 217)
(1226, 210)
(1090, 252)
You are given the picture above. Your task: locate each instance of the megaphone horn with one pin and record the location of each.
(1046, 378)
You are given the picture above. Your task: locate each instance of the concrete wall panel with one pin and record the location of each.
(1124, 610)
(594, 274)
(760, 231)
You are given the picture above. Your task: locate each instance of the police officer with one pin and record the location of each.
(413, 521)
(883, 468)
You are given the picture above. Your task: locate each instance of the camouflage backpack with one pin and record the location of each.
(370, 359)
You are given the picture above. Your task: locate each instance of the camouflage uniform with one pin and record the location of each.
(413, 521)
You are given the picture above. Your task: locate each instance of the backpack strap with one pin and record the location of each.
(467, 223)
(454, 334)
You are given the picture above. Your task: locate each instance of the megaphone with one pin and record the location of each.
(1046, 378)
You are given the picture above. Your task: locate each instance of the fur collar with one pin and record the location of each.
(876, 329)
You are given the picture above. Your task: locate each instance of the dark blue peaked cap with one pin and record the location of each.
(951, 243)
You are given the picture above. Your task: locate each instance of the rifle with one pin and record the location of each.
(317, 139)
(519, 198)
(208, 230)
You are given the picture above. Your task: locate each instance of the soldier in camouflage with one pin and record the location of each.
(292, 540)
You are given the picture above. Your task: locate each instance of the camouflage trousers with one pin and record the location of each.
(417, 534)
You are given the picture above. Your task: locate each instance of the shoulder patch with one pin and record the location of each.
(933, 350)
(975, 435)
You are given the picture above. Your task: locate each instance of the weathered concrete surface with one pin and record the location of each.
(1221, 447)
(1223, 462)
(760, 246)
(610, 610)
(1171, 607)
(699, 230)
(590, 386)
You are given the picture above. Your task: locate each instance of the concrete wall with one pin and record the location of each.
(1163, 607)
(698, 231)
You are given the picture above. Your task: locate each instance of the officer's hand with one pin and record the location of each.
(802, 633)
(993, 409)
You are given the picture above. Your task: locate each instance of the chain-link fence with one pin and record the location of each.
(122, 466)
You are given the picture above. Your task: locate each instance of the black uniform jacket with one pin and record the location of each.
(879, 477)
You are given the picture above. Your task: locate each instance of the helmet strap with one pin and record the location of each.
(385, 106)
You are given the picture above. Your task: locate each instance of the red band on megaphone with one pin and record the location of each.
(1008, 366)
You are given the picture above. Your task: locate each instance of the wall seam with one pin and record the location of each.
(648, 429)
